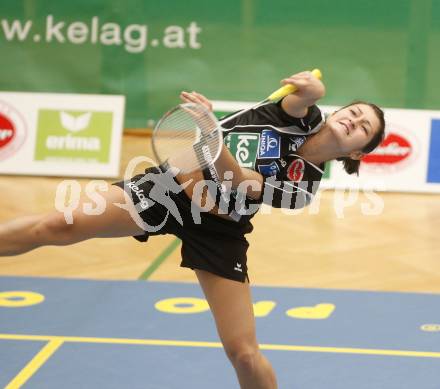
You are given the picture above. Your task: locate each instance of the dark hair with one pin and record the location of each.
(351, 166)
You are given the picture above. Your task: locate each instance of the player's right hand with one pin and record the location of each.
(194, 97)
(309, 87)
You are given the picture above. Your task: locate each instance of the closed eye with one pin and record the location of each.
(365, 120)
(354, 113)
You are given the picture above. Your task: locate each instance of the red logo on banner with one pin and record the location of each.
(393, 150)
(7, 131)
(295, 171)
(12, 130)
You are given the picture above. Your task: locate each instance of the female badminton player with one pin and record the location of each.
(273, 154)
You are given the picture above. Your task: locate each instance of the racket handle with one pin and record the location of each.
(288, 89)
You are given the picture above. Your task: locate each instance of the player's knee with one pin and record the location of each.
(242, 354)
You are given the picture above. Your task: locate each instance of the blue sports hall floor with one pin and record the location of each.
(70, 334)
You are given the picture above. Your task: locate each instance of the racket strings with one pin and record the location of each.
(188, 137)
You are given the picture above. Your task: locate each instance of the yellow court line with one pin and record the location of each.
(39, 360)
(184, 343)
(348, 350)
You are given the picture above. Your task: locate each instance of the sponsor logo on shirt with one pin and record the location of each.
(244, 147)
(296, 143)
(269, 170)
(295, 171)
(270, 144)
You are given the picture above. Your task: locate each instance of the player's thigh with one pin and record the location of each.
(114, 215)
(231, 304)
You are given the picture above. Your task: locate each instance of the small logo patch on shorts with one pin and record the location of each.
(238, 267)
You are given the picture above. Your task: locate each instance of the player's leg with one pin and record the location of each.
(231, 304)
(27, 233)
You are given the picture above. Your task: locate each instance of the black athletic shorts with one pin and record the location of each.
(209, 242)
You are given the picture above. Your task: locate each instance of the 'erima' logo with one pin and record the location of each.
(140, 195)
(74, 125)
(238, 267)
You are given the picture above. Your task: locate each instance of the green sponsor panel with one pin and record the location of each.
(244, 147)
(383, 51)
(327, 170)
(73, 136)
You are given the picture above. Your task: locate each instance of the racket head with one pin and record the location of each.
(187, 138)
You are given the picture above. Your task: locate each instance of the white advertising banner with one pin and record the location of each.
(408, 160)
(404, 162)
(74, 135)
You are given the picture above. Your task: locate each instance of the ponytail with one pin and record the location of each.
(351, 166)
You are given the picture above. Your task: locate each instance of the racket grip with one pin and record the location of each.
(288, 89)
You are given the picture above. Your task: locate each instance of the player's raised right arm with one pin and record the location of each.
(309, 90)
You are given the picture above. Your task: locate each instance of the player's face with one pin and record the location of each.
(353, 127)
